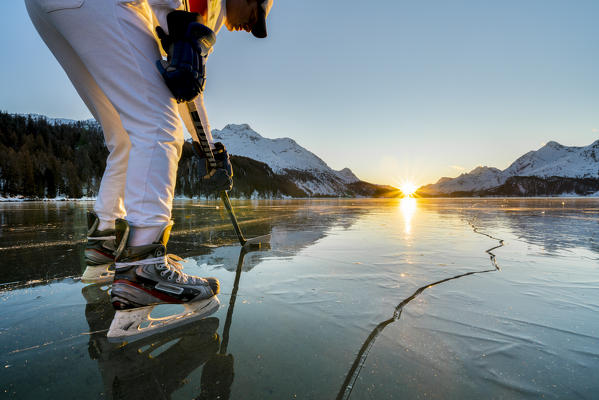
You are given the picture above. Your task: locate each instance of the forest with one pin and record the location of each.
(41, 159)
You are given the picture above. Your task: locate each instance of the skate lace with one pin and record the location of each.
(169, 264)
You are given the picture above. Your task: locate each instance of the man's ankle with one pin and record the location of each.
(143, 235)
(105, 225)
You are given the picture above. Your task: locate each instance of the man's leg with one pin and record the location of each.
(114, 41)
(110, 202)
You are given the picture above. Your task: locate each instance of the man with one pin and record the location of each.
(109, 50)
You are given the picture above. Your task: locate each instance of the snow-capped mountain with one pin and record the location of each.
(280, 154)
(477, 179)
(285, 157)
(263, 168)
(554, 159)
(551, 160)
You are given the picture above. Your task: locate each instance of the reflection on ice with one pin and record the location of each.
(318, 314)
(553, 224)
(354, 372)
(152, 367)
(165, 357)
(408, 208)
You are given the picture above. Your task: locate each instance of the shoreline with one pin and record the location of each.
(178, 198)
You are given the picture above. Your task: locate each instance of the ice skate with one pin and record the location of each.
(99, 252)
(146, 277)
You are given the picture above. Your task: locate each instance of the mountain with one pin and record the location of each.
(477, 179)
(280, 167)
(275, 168)
(280, 154)
(60, 158)
(554, 159)
(550, 186)
(285, 157)
(557, 169)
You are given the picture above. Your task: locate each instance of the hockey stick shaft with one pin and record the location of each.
(200, 140)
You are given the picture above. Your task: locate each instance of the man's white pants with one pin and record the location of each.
(108, 51)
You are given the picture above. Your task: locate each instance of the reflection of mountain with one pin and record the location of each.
(552, 224)
(294, 225)
(555, 229)
(289, 234)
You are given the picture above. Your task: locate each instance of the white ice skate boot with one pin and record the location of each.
(145, 277)
(99, 252)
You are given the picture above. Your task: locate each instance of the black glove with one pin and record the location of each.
(187, 45)
(215, 179)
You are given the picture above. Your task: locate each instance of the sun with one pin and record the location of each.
(408, 188)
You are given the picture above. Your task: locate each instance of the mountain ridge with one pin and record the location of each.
(280, 154)
(62, 158)
(552, 160)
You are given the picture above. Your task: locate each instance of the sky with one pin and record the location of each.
(395, 90)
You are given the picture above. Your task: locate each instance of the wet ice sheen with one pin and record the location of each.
(342, 306)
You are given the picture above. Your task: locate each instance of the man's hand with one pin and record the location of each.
(218, 179)
(187, 45)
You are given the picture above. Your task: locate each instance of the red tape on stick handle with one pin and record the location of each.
(199, 6)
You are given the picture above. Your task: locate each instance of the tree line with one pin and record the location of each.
(42, 159)
(45, 159)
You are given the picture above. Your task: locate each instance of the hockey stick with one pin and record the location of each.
(200, 141)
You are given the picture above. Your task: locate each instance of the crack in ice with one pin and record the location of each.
(356, 368)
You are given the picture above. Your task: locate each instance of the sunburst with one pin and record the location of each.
(408, 188)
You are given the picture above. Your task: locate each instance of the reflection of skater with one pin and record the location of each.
(153, 367)
(127, 369)
(218, 373)
(109, 51)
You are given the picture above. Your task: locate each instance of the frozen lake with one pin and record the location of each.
(360, 299)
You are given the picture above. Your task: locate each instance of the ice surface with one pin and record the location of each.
(356, 299)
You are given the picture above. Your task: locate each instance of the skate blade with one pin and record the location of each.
(97, 274)
(134, 324)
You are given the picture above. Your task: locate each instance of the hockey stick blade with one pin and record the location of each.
(258, 242)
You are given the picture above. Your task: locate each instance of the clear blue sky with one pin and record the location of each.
(392, 89)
